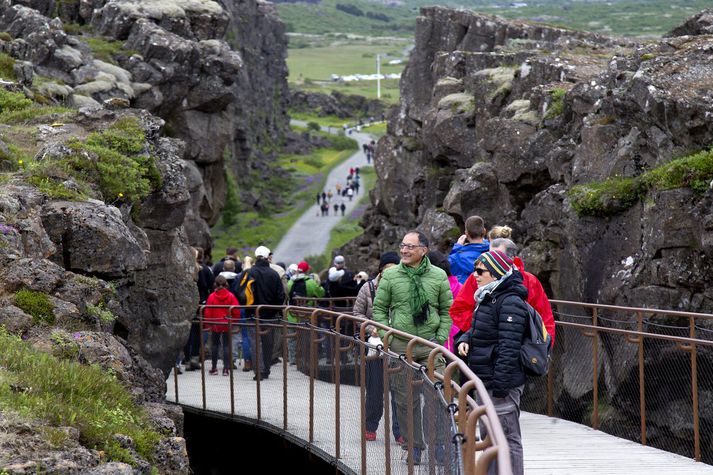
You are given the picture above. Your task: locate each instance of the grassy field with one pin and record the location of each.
(377, 130)
(616, 17)
(312, 63)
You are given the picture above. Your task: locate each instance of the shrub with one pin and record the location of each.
(36, 304)
(113, 160)
(13, 101)
(101, 314)
(311, 125)
(343, 143)
(349, 9)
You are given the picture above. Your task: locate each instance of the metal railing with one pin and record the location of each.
(330, 368)
(639, 373)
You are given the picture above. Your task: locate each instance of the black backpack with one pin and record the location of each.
(299, 289)
(536, 349)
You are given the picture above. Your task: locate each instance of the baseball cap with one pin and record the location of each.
(339, 260)
(303, 266)
(262, 251)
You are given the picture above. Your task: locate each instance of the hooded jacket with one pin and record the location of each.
(462, 258)
(216, 319)
(496, 336)
(464, 303)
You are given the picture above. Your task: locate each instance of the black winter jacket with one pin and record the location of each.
(268, 288)
(496, 336)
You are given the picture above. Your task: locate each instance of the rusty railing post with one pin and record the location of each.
(230, 360)
(694, 393)
(595, 372)
(260, 370)
(337, 375)
(642, 381)
(202, 345)
(284, 372)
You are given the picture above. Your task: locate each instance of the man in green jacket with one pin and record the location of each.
(414, 297)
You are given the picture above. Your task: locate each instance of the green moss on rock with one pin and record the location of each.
(35, 304)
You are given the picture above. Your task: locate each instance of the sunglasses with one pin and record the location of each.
(480, 271)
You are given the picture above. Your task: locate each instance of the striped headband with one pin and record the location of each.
(496, 262)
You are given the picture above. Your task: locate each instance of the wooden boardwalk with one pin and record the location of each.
(552, 446)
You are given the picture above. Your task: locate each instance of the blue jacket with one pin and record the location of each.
(463, 256)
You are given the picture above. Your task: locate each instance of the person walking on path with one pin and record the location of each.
(336, 208)
(350, 193)
(342, 207)
(469, 246)
(414, 297)
(216, 320)
(492, 345)
(363, 307)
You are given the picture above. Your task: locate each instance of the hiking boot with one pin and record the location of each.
(260, 377)
(226, 371)
(370, 435)
(400, 440)
(213, 371)
(248, 366)
(193, 364)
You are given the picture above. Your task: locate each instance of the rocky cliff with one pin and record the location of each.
(118, 121)
(594, 149)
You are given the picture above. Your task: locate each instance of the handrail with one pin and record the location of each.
(669, 387)
(466, 441)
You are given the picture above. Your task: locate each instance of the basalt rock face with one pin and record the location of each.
(104, 270)
(176, 61)
(502, 119)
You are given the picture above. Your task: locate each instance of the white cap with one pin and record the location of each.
(262, 251)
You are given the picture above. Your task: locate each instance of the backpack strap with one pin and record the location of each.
(372, 289)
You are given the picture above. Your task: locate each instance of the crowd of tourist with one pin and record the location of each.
(474, 301)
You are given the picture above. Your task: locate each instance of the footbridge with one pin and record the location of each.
(629, 391)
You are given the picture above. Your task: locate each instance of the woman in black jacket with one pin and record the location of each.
(493, 343)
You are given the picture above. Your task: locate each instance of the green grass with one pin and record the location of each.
(105, 49)
(557, 105)
(36, 304)
(61, 393)
(378, 130)
(618, 194)
(309, 175)
(623, 17)
(326, 121)
(114, 162)
(6, 64)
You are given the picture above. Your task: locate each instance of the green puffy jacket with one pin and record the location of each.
(392, 304)
(313, 290)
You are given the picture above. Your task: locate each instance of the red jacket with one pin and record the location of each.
(464, 304)
(212, 316)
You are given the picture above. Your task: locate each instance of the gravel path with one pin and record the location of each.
(309, 236)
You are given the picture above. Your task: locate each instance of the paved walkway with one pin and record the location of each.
(552, 446)
(309, 236)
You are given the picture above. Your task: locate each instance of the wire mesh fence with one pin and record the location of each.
(368, 408)
(642, 374)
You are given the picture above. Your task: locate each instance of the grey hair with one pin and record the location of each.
(506, 245)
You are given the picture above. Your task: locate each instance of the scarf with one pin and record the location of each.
(419, 300)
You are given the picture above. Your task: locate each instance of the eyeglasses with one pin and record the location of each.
(480, 271)
(410, 247)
